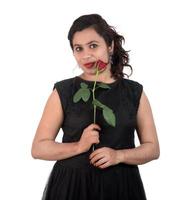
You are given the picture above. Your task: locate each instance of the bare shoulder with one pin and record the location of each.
(145, 122)
(146, 128)
(144, 105)
(52, 118)
(54, 106)
(144, 114)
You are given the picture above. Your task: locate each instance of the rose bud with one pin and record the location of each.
(101, 65)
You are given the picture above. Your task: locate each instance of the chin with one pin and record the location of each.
(92, 71)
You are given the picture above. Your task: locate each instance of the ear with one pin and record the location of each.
(111, 48)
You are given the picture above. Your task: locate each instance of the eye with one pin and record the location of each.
(92, 46)
(78, 49)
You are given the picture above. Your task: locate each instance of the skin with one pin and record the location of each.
(86, 49)
(44, 145)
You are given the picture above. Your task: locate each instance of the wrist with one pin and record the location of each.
(119, 156)
(78, 148)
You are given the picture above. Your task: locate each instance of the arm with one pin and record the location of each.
(149, 145)
(44, 145)
(146, 130)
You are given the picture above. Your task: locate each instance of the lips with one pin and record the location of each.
(89, 65)
(99, 63)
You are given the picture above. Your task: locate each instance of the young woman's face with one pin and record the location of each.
(88, 47)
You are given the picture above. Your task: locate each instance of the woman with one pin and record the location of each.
(109, 170)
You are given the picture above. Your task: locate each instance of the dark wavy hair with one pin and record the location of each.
(120, 57)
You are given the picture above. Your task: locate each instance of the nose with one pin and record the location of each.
(86, 58)
(86, 55)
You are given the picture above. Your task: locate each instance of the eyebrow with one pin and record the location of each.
(86, 43)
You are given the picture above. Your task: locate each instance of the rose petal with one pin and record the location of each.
(101, 65)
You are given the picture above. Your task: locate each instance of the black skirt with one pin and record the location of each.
(76, 179)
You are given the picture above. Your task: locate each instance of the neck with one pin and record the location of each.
(101, 77)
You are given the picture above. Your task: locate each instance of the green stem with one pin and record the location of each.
(93, 93)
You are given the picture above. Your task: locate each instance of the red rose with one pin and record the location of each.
(101, 65)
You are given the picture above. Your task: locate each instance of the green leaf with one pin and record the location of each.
(77, 96)
(85, 93)
(109, 116)
(83, 85)
(98, 103)
(103, 85)
(81, 94)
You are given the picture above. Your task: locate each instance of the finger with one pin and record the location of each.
(93, 154)
(104, 165)
(95, 140)
(97, 158)
(100, 162)
(95, 126)
(95, 133)
(97, 151)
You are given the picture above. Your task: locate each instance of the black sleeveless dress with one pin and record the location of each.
(75, 178)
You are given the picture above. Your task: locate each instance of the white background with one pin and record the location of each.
(35, 53)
